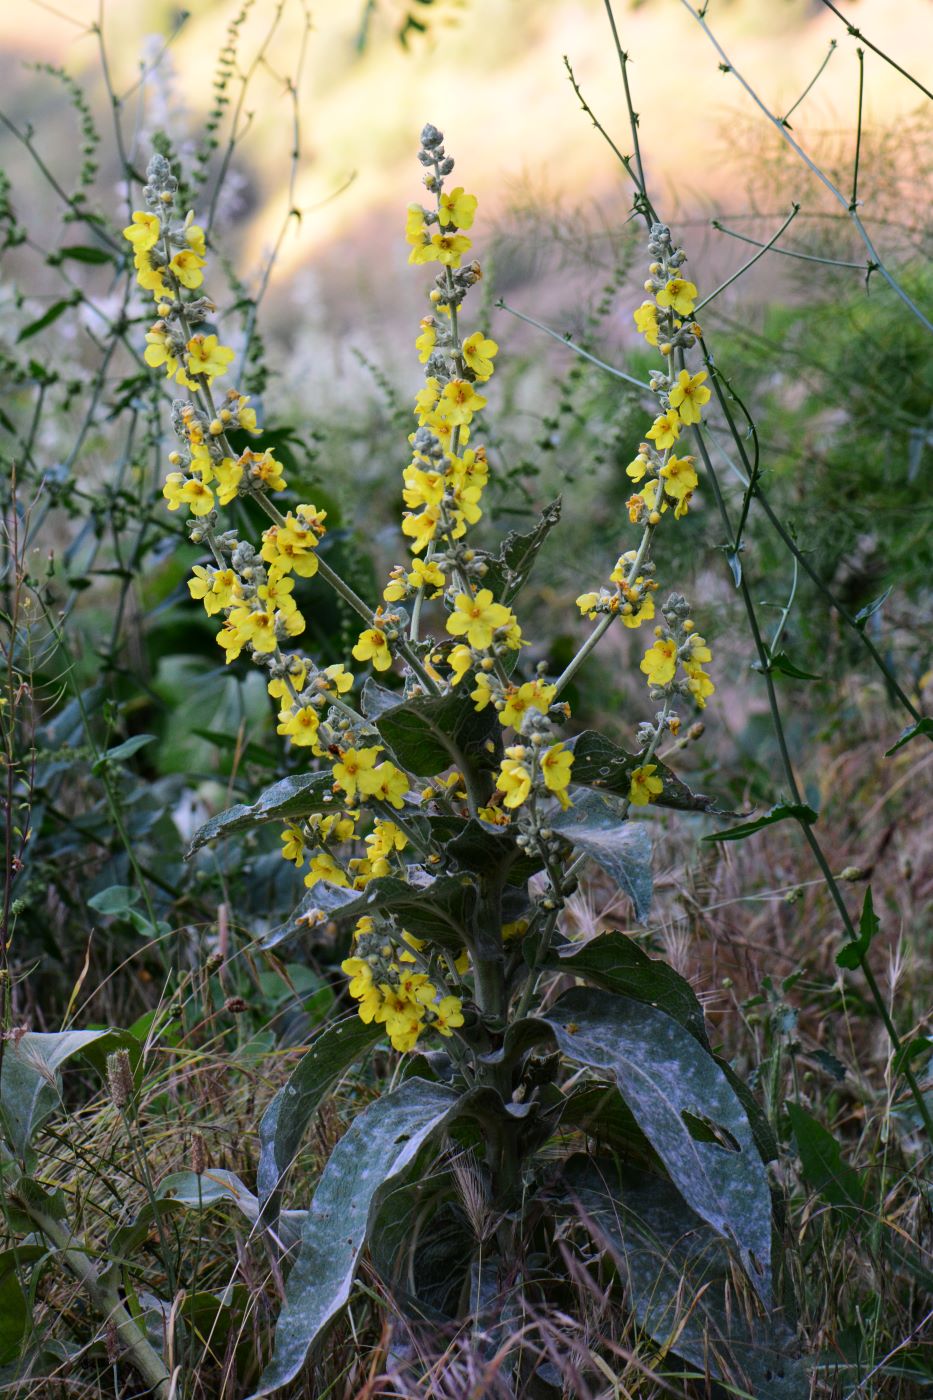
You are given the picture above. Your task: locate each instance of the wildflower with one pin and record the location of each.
(207, 357)
(680, 482)
(514, 781)
(459, 659)
(555, 769)
(678, 294)
(217, 588)
(634, 614)
(427, 339)
(229, 474)
(688, 396)
(324, 867)
(587, 604)
(256, 626)
(293, 845)
(390, 784)
(290, 547)
(533, 695)
(699, 684)
(195, 495)
(186, 267)
(448, 1014)
(360, 974)
(355, 770)
(478, 618)
(459, 401)
(637, 468)
(194, 237)
(299, 725)
(665, 429)
(457, 208)
(373, 646)
(660, 661)
(644, 785)
(478, 353)
(646, 321)
(143, 232)
(481, 695)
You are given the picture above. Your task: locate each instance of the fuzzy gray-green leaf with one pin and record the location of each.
(664, 1074)
(621, 847)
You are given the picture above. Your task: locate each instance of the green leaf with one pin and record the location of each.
(508, 572)
(57, 309)
(186, 1191)
(615, 963)
(599, 763)
(15, 1310)
(428, 733)
(678, 1275)
(924, 725)
(911, 1050)
(375, 699)
(30, 1085)
(822, 1164)
(287, 800)
(869, 610)
(370, 1157)
(663, 1074)
(784, 811)
(124, 750)
(852, 955)
(438, 909)
(79, 253)
(600, 1111)
(621, 847)
(780, 661)
(116, 899)
(286, 1119)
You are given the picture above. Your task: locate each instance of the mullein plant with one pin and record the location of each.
(444, 821)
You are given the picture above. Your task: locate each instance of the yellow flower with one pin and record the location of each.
(290, 547)
(457, 208)
(587, 604)
(158, 351)
(426, 574)
(482, 694)
(299, 725)
(447, 1015)
(414, 226)
(256, 626)
(514, 781)
(699, 651)
(660, 661)
(426, 398)
(426, 340)
(479, 352)
(421, 528)
(324, 867)
(151, 277)
(196, 496)
(230, 638)
(172, 489)
(218, 588)
(644, 786)
(641, 612)
(293, 845)
(263, 470)
(688, 396)
(646, 321)
(699, 683)
(478, 618)
(360, 974)
(355, 770)
(533, 695)
(187, 266)
(206, 356)
(680, 482)
(372, 646)
(445, 248)
(665, 429)
(459, 659)
(637, 468)
(389, 785)
(194, 237)
(229, 474)
(459, 401)
(143, 232)
(338, 678)
(555, 769)
(679, 294)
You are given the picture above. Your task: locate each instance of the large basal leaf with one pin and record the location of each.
(507, 572)
(428, 733)
(686, 1108)
(615, 962)
(601, 764)
(286, 800)
(678, 1278)
(622, 848)
(29, 1087)
(370, 1157)
(286, 1119)
(436, 909)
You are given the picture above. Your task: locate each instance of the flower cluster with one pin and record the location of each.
(386, 981)
(665, 481)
